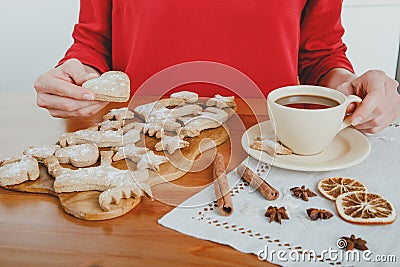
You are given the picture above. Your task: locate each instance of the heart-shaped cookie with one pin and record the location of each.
(112, 86)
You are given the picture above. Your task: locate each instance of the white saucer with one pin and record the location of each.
(350, 147)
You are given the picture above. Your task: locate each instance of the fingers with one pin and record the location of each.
(350, 108)
(369, 81)
(366, 109)
(380, 101)
(78, 114)
(370, 87)
(49, 101)
(347, 89)
(62, 107)
(65, 89)
(65, 81)
(376, 124)
(77, 71)
(60, 91)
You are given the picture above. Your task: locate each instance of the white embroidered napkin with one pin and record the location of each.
(249, 231)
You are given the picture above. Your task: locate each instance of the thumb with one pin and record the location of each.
(77, 71)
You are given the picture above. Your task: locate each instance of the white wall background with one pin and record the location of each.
(372, 34)
(34, 34)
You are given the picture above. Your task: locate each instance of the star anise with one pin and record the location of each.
(302, 192)
(353, 242)
(276, 214)
(316, 214)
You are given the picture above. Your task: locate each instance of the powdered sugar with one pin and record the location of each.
(171, 143)
(77, 150)
(96, 178)
(111, 84)
(189, 97)
(110, 125)
(100, 138)
(131, 152)
(222, 101)
(119, 114)
(41, 152)
(18, 170)
(151, 161)
(101, 178)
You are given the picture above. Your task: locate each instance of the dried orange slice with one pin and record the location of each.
(365, 208)
(332, 187)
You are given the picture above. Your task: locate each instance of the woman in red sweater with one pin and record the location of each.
(273, 42)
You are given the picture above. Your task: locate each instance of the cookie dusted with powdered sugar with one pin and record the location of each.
(112, 86)
(40, 153)
(18, 170)
(78, 155)
(119, 114)
(188, 97)
(114, 183)
(170, 143)
(222, 102)
(100, 138)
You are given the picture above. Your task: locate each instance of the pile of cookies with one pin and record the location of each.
(173, 121)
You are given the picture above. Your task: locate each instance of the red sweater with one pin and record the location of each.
(272, 42)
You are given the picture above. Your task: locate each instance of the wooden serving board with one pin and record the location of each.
(85, 205)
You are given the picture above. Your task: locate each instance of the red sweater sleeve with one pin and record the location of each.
(92, 35)
(321, 45)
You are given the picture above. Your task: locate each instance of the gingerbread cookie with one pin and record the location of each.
(110, 125)
(131, 137)
(194, 110)
(222, 102)
(151, 161)
(131, 152)
(144, 157)
(158, 117)
(78, 155)
(112, 86)
(134, 125)
(18, 170)
(159, 109)
(211, 118)
(156, 107)
(170, 143)
(119, 114)
(188, 97)
(100, 138)
(40, 153)
(114, 183)
(153, 126)
(114, 195)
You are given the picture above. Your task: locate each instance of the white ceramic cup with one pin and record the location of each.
(308, 131)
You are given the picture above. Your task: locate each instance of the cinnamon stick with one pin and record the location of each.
(254, 180)
(221, 186)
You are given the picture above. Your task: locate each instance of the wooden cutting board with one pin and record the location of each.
(85, 205)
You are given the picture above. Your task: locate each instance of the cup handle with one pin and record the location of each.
(350, 99)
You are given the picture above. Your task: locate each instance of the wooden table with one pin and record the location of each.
(35, 231)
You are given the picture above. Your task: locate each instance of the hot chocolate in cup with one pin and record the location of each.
(307, 118)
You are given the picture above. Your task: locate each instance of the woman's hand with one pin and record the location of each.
(380, 104)
(59, 91)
